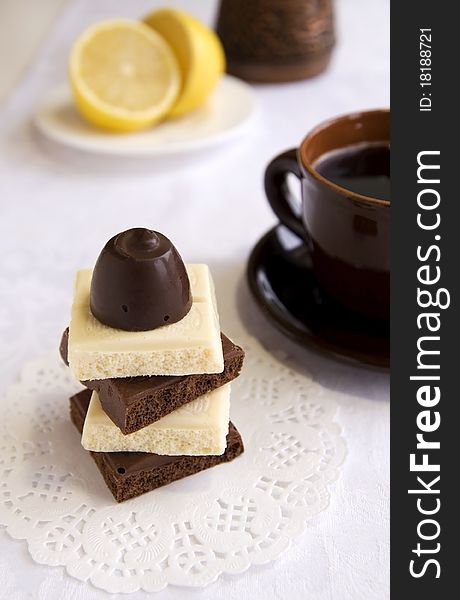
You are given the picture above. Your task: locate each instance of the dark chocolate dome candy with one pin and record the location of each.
(139, 282)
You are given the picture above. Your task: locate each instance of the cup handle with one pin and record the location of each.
(283, 202)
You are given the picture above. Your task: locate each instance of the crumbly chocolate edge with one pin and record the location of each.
(136, 484)
(149, 407)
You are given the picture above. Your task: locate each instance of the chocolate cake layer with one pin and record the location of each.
(135, 402)
(130, 474)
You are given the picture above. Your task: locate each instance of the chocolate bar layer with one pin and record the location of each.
(130, 474)
(191, 345)
(135, 402)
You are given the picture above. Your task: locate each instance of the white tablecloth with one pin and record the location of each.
(58, 207)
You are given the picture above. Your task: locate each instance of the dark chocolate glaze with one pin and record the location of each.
(139, 282)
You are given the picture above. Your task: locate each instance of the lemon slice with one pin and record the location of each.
(123, 75)
(198, 51)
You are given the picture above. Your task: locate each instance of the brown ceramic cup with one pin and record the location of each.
(347, 233)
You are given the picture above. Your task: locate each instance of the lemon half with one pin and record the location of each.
(198, 51)
(124, 76)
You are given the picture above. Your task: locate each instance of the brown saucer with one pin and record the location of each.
(280, 278)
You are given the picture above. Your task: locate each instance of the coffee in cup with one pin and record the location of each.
(344, 216)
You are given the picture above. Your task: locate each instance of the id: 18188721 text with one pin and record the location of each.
(425, 101)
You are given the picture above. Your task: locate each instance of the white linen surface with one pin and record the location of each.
(58, 207)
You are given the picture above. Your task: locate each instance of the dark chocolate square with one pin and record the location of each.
(135, 402)
(130, 474)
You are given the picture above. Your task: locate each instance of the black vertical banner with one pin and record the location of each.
(425, 290)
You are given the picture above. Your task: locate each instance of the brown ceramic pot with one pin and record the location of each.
(276, 40)
(348, 234)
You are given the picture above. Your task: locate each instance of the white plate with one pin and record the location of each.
(226, 114)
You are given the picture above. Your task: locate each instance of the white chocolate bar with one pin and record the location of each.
(190, 346)
(198, 428)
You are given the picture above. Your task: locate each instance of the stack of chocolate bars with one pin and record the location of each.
(144, 338)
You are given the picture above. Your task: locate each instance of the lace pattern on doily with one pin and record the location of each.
(220, 521)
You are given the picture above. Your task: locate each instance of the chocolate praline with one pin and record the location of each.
(139, 282)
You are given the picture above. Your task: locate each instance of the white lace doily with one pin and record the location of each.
(188, 533)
